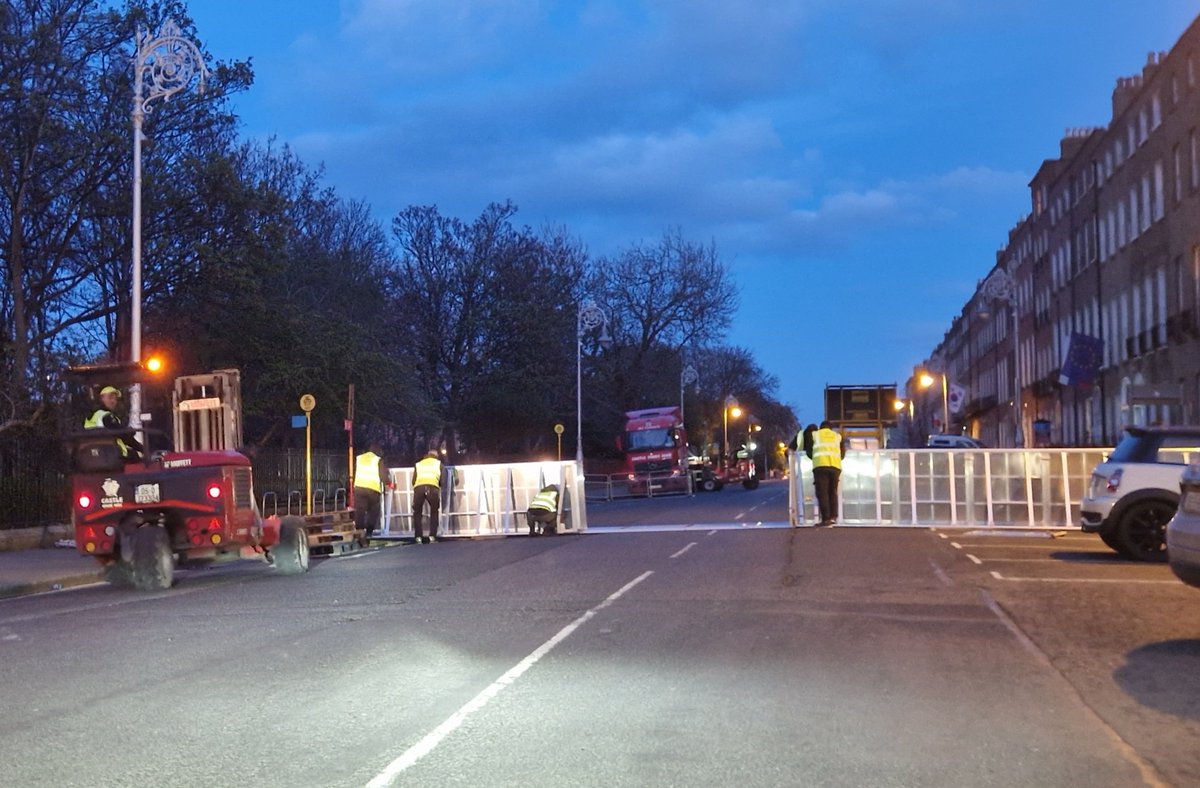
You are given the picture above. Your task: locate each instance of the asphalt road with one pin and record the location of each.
(715, 652)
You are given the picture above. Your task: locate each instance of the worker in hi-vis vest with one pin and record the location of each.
(427, 489)
(542, 514)
(368, 491)
(828, 451)
(105, 417)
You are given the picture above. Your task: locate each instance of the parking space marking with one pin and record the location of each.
(1136, 581)
(1045, 548)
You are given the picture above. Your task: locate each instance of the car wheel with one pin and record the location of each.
(291, 554)
(1112, 542)
(1142, 532)
(153, 562)
(708, 485)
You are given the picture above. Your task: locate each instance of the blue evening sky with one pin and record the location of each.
(858, 163)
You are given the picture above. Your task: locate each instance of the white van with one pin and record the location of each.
(953, 442)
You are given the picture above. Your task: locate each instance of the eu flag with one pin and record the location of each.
(1085, 355)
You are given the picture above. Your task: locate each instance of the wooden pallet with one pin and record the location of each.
(332, 533)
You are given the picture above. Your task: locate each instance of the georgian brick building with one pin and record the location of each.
(1108, 260)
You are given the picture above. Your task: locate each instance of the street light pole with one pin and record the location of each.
(589, 316)
(730, 403)
(1001, 286)
(164, 65)
(945, 404)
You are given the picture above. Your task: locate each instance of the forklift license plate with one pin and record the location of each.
(146, 493)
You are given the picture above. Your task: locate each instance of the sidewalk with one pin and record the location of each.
(36, 570)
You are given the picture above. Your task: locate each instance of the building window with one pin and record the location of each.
(1144, 213)
(1155, 112)
(1177, 161)
(1121, 226)
(1195, 151)
(1159, 199)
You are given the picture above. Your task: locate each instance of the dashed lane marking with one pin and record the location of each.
(974, 560)
(683, 550)
(431, 740)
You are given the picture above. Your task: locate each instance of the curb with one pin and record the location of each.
(43, 586)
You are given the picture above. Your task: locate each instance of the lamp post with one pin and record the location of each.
(164, 65)
(1000, 286)
(926, 382)
(590, 316)
(687, 377)
(731, 409)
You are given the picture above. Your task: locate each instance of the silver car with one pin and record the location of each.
(1183, 532)
(1133, 493)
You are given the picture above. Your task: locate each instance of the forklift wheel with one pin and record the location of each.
(119, 574)
(153, 562)
(291, 554)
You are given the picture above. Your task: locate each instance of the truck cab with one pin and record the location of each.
(656, 451)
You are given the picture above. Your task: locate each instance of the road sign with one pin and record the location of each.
(308, 402)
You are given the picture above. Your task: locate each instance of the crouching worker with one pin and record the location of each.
(542, 515)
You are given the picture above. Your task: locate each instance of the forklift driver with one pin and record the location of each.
(105, 417)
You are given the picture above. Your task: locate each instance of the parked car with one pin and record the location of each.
(953, 442)
(1133, 493)
(1183, 532)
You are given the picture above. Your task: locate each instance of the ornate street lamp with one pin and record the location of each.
(164, 65)
(589, 317)
(1001, 286)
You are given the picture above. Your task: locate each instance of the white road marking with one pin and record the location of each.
(956, 545)
(1150, 775)
(435, 737)
(974, 560)
(678, 553)
(1131, 580)
(940, 574)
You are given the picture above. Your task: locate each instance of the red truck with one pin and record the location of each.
(656, 451)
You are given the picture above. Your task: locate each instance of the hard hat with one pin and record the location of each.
(110, 390)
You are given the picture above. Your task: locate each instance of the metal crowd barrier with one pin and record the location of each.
(1026, 488)
(488, 500)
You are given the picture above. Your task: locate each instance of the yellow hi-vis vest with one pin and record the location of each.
(96, 422)
(366, 471)
(429, 471)
(546, 500)
(827, 449)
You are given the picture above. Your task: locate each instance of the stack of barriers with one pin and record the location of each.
(487, 500)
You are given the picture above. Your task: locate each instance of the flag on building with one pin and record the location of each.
(1085, 355)
(956, 398)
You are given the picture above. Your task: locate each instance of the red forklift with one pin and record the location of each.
(144, 516)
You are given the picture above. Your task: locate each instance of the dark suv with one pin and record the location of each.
(1134, 493)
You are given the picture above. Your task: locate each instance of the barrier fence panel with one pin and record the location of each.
(488, 500)
(1031, 488)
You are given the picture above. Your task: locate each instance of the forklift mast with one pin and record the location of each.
(208, 411)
